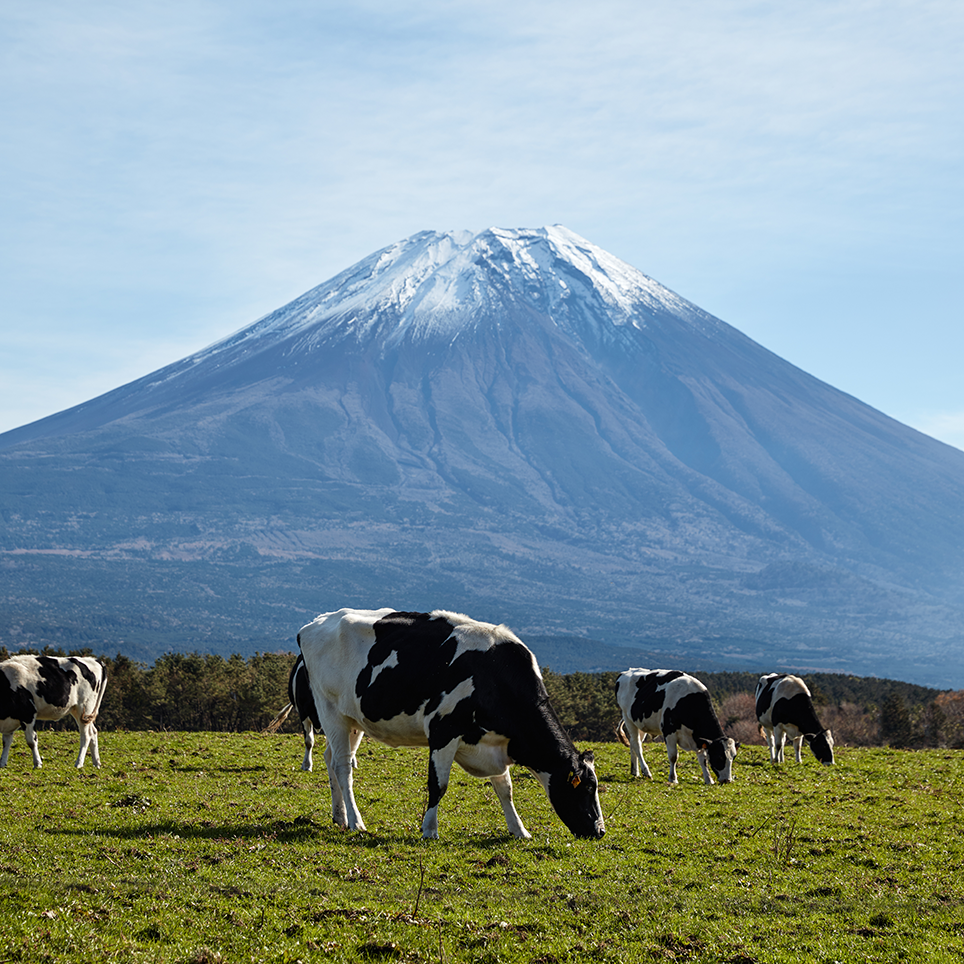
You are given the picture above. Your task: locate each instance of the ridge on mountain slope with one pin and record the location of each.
(517, 401)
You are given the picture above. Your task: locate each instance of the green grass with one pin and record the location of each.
(216, 847)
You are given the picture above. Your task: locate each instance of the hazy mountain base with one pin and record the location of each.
(186, 540)
(237, 601)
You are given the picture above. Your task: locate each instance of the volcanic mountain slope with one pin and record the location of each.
(513, 423)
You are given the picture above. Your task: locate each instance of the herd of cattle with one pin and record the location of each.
(470, 691)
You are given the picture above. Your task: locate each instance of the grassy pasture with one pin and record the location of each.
(216, 847)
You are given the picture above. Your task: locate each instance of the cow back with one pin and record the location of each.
(439, 670)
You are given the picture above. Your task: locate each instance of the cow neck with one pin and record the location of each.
(544, 745)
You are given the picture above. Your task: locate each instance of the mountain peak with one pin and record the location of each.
(434, 285)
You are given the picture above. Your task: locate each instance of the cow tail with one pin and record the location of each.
(621, 733)
(276, 723)
(102, 685)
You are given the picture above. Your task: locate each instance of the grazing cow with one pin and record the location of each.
(469, 691)
(36, 688)
(668, 703)
(784, 708)
(300, 699)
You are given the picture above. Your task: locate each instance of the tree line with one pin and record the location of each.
(194, 692)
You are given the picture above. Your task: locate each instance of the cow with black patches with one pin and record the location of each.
(300, 698)
(676, 706)
(784, 708)
(36, 688)
(470, 691)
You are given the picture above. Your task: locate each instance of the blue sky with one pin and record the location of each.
(170, 172)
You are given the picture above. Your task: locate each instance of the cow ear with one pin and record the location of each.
(587, 756)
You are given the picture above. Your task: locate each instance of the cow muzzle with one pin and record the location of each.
(597, 831)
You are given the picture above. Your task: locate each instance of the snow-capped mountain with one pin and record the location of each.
(514, 423)
(437, 286)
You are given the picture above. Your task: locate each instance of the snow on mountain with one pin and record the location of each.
(435, 285)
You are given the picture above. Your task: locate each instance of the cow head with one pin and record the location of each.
(574, 795)
(721, 753)
(822, 746)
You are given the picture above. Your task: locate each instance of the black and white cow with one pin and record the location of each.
(36, 688)
(470, 691)
(300, 698)
(676, 706)
(784, 709)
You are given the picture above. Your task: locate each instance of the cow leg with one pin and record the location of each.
(84, 741)
(94, 746)
(779, 738)
(771, 743)
(306, 763)
(702, 755)
(440, 760)
(88, 736)
(84, 729)
(30, 732)
(338, 813)
(637, 764)
(672, 751)
(7, 740)
(341, 743)
(798, 746)
(355, 739)
(502, 784)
